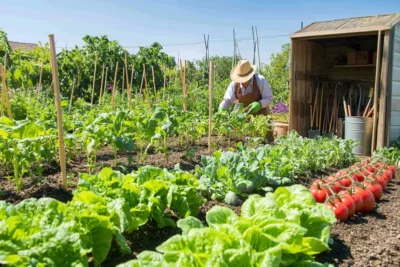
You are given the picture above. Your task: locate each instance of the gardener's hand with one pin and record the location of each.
(253, 107)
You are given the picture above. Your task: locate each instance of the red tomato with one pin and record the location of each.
(341, 173)
(340, 210)
(379, 165)
(387, 174)
(365, 173)
(370, 169)
(346, 181)
(392, 168)
(375, 188)
(334, 183)
(367, 198)
(358, 202)
(317, 182)
(348, 201)
(365, 162)
(320, 193)
(357, 177)
(379, 178)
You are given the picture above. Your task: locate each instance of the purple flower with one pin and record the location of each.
(110, 86)
(280, 107)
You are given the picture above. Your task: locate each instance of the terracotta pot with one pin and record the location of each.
(280, 129)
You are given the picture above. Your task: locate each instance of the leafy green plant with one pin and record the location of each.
(285, 228)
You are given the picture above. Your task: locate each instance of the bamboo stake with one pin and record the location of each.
(376, 91)
(123, 83)
(133, 68)
(94, 81)
(165, 81)
(145, 85)
(57, 99)
(183, 78)
(40, 79)
(154, 84)
(2, 98)
(141, 85)
(210, 103)
(115, 85)
(105, 88)
(128, 85)
(102, 83)
(5, 97)
(72, 95)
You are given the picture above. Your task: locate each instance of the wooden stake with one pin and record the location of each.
(102, 83)
(40, 79)
(115, 85)
(133, 68)
(210, 103)
(72, 95)
(154, 84)
(145, 85)
(141, 85)
(183, 79)
(376, 96)
(123, 83)
(345, 107)
(57, 99)
(5, 97)
(165, 76)
(94, 80)
(128, 85)
(105, 88)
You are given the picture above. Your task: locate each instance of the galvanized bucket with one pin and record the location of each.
(360, 130)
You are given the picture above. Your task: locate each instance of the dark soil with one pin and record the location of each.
(369, 240)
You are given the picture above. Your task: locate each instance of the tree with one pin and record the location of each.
(277, 74)
(5, 47)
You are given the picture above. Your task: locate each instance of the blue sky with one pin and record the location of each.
(139, 23)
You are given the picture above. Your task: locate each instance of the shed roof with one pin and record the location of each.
(349, 25)
(23, 46)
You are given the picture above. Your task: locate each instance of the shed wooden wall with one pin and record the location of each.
(306, 58)
(395, 99)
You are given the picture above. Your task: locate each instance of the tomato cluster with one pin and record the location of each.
(355, 189)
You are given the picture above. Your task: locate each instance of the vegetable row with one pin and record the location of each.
(225, 175)
(284, 228)
(355, 189)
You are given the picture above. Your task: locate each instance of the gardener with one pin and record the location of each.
(249, 88)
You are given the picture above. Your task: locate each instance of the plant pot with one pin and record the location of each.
(280, 129)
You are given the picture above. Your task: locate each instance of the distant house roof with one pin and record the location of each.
(349, 25)
(23, 46)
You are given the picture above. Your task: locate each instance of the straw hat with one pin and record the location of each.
(243, 71)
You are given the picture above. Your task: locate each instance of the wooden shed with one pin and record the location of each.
(345, 62)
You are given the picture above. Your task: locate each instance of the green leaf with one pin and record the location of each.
(220, 215)
(189, 223)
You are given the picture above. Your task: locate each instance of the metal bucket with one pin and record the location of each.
(360, 130)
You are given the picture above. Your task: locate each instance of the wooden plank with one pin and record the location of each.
(396, 103)
(394, 133)
(303, 130)
(383, 92)
(376, 95)
(395, 118)
(396, 59)
(396, 73)
(395, 88)
(291, 84)
(340, 32)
